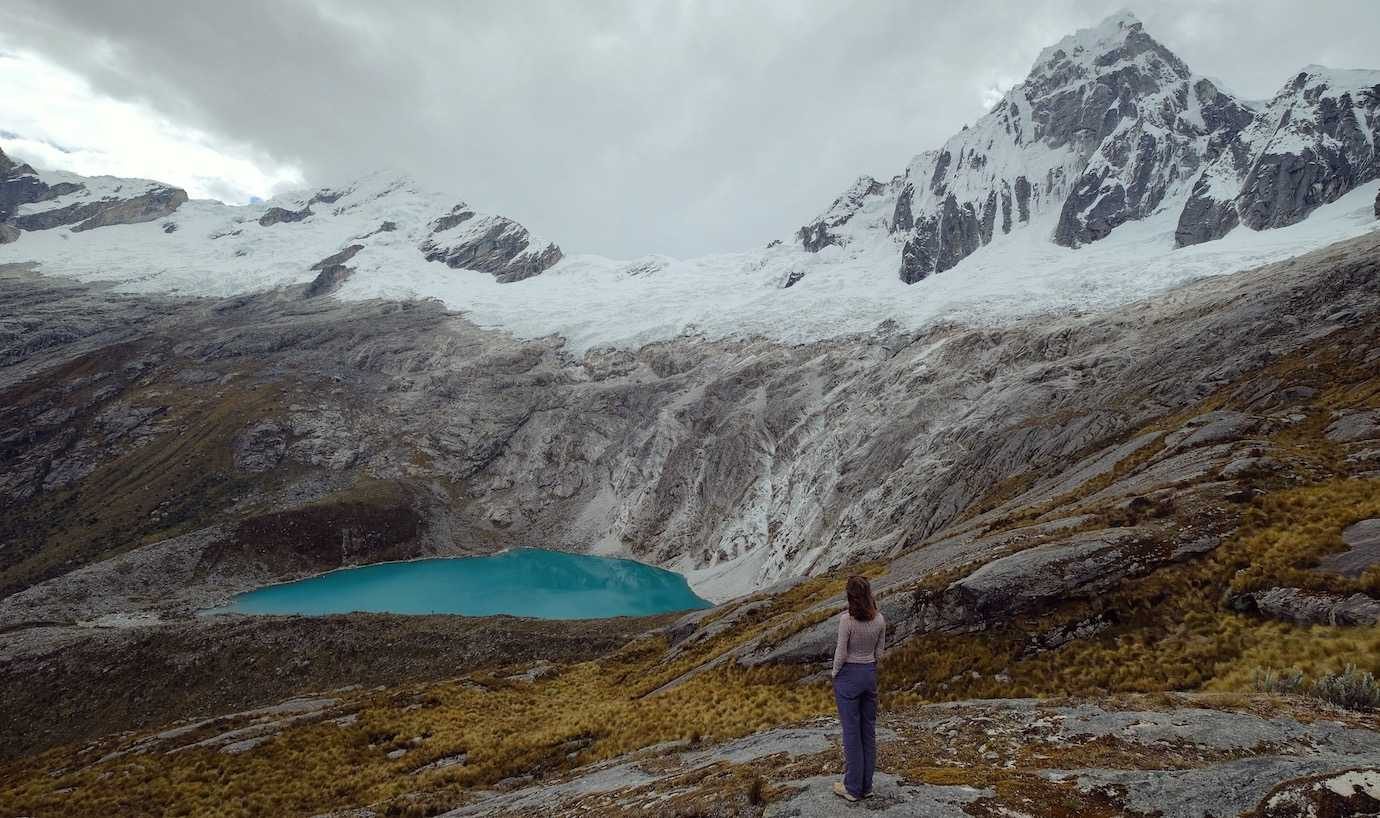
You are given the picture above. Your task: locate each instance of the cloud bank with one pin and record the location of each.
(623, 128)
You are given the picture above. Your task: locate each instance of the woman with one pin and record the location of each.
(862, 631)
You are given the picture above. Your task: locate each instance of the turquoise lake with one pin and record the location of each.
(522, 582)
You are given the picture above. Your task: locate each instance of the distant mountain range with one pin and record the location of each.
(1110, 129)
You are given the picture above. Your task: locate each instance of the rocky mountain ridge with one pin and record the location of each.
(1314, 142)
(1111, 127)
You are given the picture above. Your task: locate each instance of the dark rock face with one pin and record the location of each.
(488, 244)
(1312, 144)
(155, 204)
(1310, 607)
(332, 272)
(20, 184)
(1141, 151)
(902, 220)
(278, 215)
(819, 234)
(338, 258)
(146, 208)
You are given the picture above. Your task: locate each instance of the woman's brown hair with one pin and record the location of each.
(862, 606)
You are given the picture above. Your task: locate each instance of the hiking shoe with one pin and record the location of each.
(842, 792)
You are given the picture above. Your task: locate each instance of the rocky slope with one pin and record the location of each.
(1173, 756)
(739, 463)
(1181, 493)
(1111, 127)
(1143, 499)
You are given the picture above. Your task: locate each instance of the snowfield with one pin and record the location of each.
(210, 249)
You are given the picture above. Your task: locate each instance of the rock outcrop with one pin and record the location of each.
(74, 203)
(817, 235)
(1310, 607)
(488, 244)
(260, 447)
(280, 215)
(20, 185)
(332, 272)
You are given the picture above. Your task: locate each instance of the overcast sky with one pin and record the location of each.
(622, 128)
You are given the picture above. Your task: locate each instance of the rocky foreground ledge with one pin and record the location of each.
(1174, 756)
(1166, 755)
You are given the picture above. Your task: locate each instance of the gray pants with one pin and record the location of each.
(855, 693)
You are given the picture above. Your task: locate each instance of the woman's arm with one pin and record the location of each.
(841, 647)
(881, 641)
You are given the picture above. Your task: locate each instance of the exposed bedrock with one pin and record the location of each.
(489, 244)
(1313, 143)
(1310, 607)
(746, 461)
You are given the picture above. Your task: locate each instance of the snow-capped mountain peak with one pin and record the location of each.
(1106, 126)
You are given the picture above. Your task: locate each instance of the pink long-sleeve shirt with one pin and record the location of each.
(859, 641)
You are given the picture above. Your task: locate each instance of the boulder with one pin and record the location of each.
(1222, 426)
(1356, 426)
(1079, 565)
(1247, 466)
(8, 233)
(1363, 550)
(1310, 607)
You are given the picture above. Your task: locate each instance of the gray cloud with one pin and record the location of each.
(623, 128)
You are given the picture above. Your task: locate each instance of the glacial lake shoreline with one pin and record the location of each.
(522, 582)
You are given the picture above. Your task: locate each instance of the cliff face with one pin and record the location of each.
(29, 202)
(1313, 143)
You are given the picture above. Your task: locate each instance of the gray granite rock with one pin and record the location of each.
(1311, 607)
(1362, 540)
(1355, 426)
